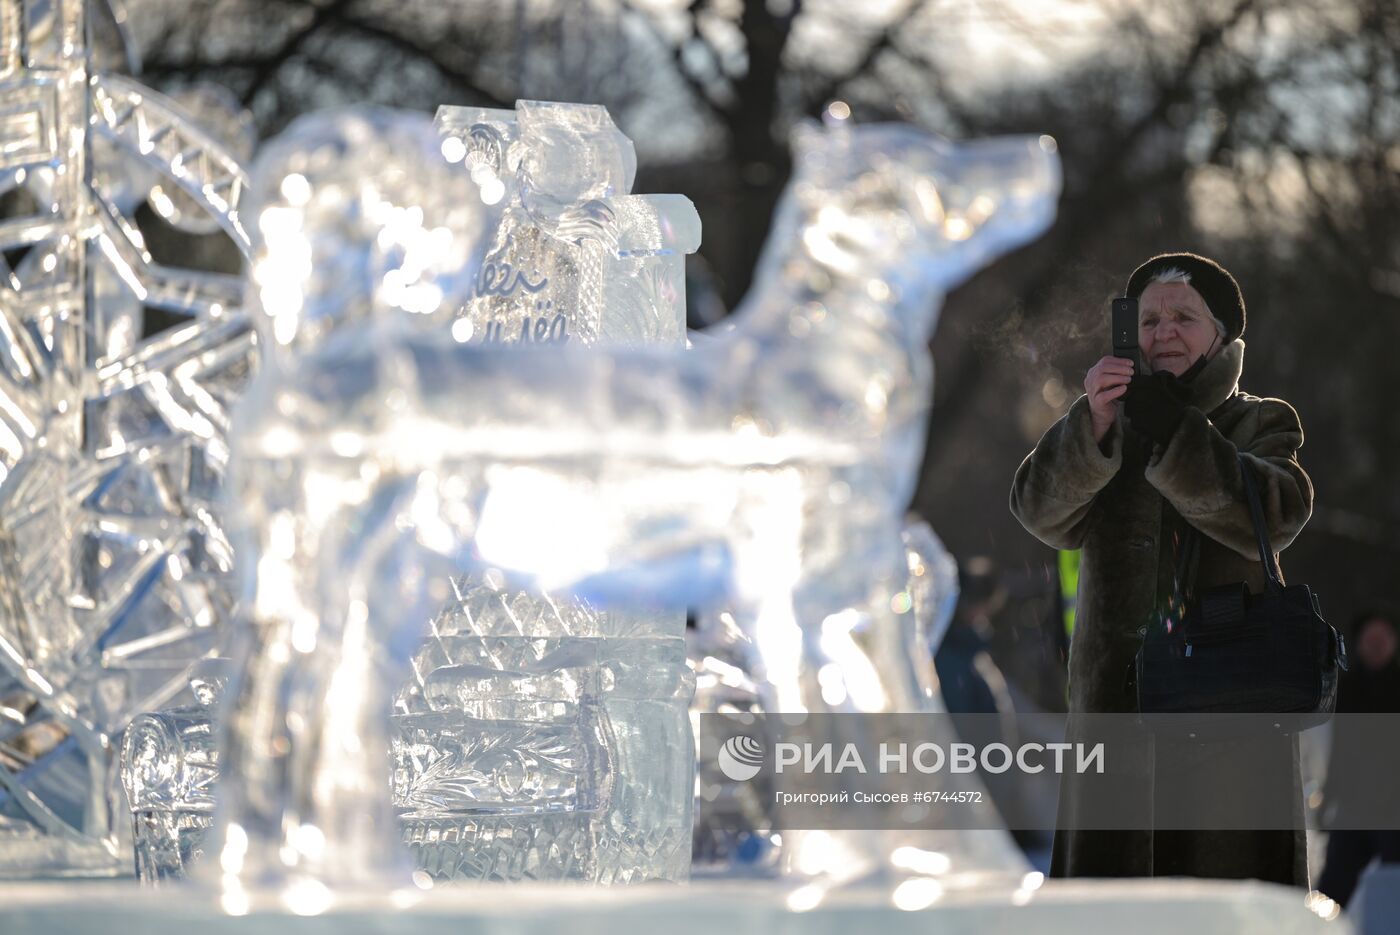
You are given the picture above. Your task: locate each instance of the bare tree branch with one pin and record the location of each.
(697, 87)
(454, 73)
(886, 40)
(291, 47)
(1079, 218)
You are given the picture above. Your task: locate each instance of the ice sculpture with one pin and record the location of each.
(537, 736)
(989, 850)
(734, 834)
(113, 559)
(769, 467)
(572, 256)
(931, 596)
(222, 116)
(170, 765)
(540, 737)
(545, 740)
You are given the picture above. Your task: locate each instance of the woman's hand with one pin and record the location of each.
(1105, 382)
(1156, 405)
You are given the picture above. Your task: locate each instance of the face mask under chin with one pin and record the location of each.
(1191, 372)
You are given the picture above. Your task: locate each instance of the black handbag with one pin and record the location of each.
(1238, 653)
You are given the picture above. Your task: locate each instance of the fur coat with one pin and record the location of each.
(1124, 502)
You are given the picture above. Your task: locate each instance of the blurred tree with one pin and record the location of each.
(1265, 132)
(707, 88)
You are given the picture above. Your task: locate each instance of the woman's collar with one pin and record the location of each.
(1219, 379)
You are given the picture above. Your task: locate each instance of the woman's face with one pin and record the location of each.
(1174, 327)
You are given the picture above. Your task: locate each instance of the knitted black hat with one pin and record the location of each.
(1209, 278)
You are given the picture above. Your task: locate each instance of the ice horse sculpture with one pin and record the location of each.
(768, 468)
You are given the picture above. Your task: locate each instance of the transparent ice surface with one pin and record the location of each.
(563, 750)
(766, 469)
(541, 739)
(170, 764)
(572, 256)
(114, 564)
(1162, 906)
(518, 740)
(733, 825)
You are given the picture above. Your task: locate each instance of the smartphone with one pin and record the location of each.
(1125, 330)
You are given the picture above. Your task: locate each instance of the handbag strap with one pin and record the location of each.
(1261, 532)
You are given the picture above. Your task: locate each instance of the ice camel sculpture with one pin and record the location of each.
(767, 468)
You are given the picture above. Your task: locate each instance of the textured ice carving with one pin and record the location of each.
(170, 763)
(733, 823)
(113, 561)
(530, 720)
(769, 467)
(357, 217)
(224, 117)
(519, 706)
(539, 702)
(572, 255)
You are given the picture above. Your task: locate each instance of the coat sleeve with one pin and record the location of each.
(1055, 486)
(1199, 474)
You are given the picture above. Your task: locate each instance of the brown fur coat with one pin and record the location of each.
(1123, 502)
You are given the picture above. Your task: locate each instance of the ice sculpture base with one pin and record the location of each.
(1202, 907)
(28, 855)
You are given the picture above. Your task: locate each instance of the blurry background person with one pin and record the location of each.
(967, 676)
(1371, 686)
(979, 700)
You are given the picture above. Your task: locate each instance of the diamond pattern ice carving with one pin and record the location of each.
(516, 740)
(113, 561)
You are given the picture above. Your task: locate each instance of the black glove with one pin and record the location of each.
(1155, 405)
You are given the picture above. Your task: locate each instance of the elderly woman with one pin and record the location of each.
(1136, 462)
